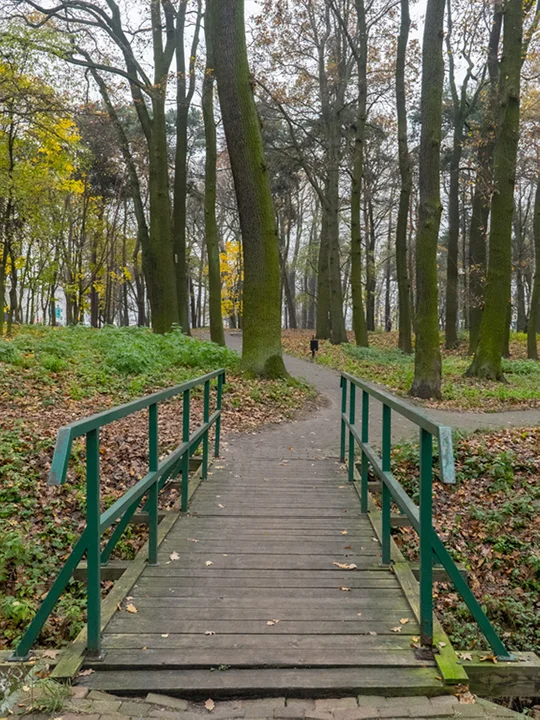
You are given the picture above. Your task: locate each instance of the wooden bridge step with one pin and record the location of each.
(196, 659)
(270, 682)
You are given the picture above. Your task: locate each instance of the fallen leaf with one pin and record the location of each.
(489, 658)
(50, 653)
(84, 673)
(348, 547)
(345, 589)
(344, 566)
(465, 656)
(415, 638)
(165, 635)
(272, 622)
(131, 608)
(344, 532)
(208, 563)
(209, 705)
(209, 632)
(397, 629)
(192, 540)
(404, 621)
(467, 698)
(441, 644)
(221, 506)
(174, 556)
(372, 632)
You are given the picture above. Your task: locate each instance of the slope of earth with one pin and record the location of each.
(52, 376)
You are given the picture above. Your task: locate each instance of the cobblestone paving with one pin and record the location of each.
(94, 705)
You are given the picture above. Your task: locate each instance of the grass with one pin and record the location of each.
(383, 363)
(51, 376)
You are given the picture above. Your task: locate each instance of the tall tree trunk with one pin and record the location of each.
(358, 317)
(533, 326)
(338, 333)
(387, 304)
(185, 87)
(261, 351)
(483, 186)
(405, 171)
(217, 333)
(323, 287)
(371, 277)
(427, 363)
(487, 358)
(451, 307)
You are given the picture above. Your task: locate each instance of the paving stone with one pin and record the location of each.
(470, 711)
(419, 705)
(226, 709)
(333, 704)
(294, 713)
(74, 716)
(36, 716)
(371, 700)
(444, 703)
(116, 716)
(389, 711)
(82, 706)
(301, 703)
(105, 707)
(178, 715)
(80, 692)
(263, 708)
(357, 713)
(100, 695)
(166, 701)
(318, 715)
(135, 709)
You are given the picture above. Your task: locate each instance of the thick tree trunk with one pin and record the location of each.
(261, 351)
(405, 171)
(427, 365)
(338, 333)
(451, 309)
(533, 326)
(217, 333)
(483, 186)
(358, 317)
(322, 323)
(487, 358)
(371, 279)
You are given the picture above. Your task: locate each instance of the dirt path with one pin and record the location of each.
(323, 427)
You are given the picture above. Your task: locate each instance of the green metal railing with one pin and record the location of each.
(421, 517)
(123, 509)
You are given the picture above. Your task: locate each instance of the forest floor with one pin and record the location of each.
(383, 363)
(52, 376)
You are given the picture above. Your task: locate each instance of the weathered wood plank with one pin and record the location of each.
(165, 624)
(254, 658)
(295, 683)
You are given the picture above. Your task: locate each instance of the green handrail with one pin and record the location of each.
(421, 517)
(122, 510)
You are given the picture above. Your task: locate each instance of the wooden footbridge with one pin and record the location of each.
(278, 577)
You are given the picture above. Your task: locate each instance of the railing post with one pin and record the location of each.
(343, 411)
(426, 547)
(185, 457)
(206, 417)
(93, 513)
(365, 463)
(386, 496)
(219, 399)
(153, 460)
(352, 418)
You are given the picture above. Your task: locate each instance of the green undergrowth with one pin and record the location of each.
(52, 376)
(385, 364)
(489, 521)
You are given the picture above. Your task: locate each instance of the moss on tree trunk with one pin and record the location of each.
(487, 362)
(217, 334)
(261, 353)
(358, 316)
(427, 365)
(405, 171)
(534, 317)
